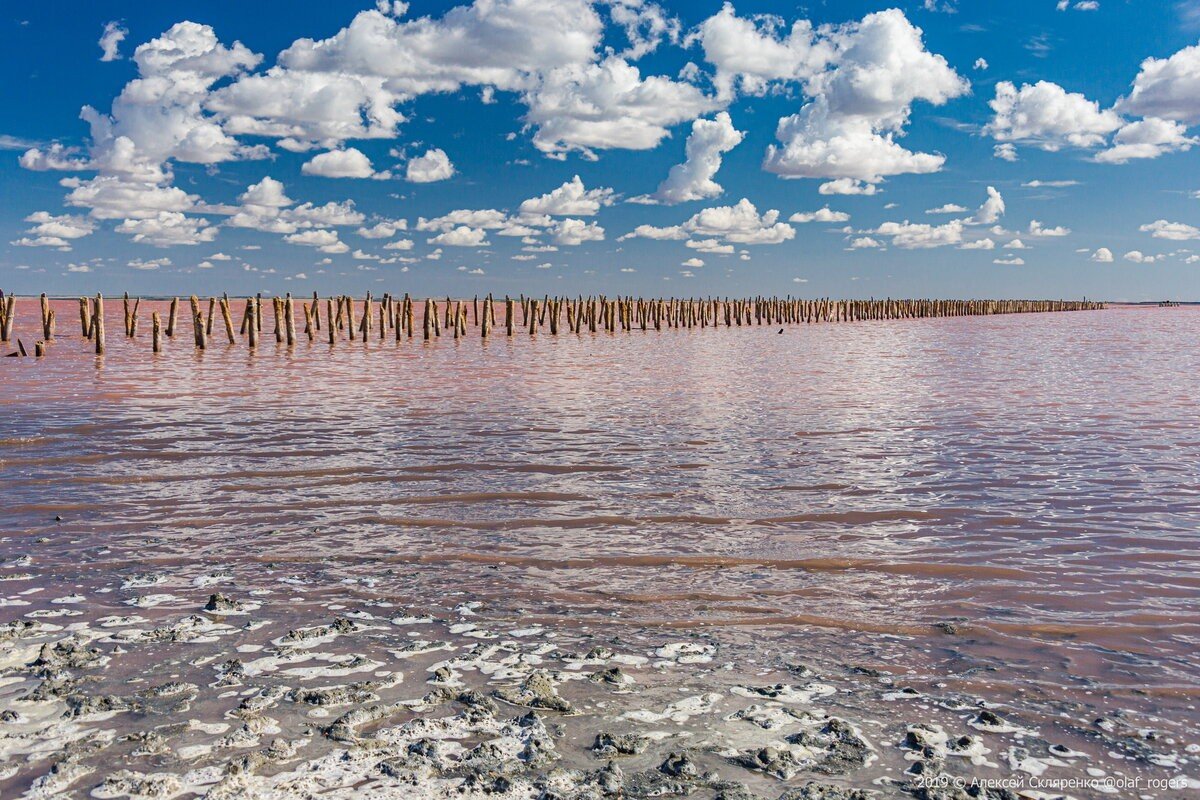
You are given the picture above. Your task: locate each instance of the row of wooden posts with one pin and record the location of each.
(580, 314)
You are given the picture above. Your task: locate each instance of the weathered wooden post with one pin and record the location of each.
(172, 317)
(47, 333)
(156, 331)
(85, 317)
(289, 318)
(228, 318)
(98, 323)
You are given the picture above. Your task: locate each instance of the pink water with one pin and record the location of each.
(1033, 480)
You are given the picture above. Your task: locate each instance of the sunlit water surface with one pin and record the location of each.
(1015, 498)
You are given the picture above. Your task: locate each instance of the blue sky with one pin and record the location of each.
(849, 149)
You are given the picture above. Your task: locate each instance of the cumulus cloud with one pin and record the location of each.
(693, 262)
(740, 224)
(978, 244)
(920, 235)
(59, 227)
(346, 163)
(848, 186)
(431, 167)
(462, 236)
(1048, 116)
(1014, 261)
(575, 232)
(849, 128)
(110, 41)
(1102, 255)
(991, 210)
(169, 228)
(572, 198)
(608, 105)
(383, 229)
(1175, 231)
(1138, 257)
(693, 179)
(1036, 228)
(751, 53)
(1167, 88)
(820, 215)
(865, 243)
(327, 241)
(1147, 138)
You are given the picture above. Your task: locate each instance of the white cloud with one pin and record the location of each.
(1168, 88)
(1102, 255)
(1037, 229)
(1047, 116)
(169, 228)
(978, 244)
(383, 229)
(864, 243)
(1138, 257)
(693, 262)
(326, 241)
(740, 223)
(1036, 184)
(572, 198)
(347, 163)
(462, 236)
(1016, 244)
(1005, 152)
(608, 105)
(149, 264)
(693, 179)
(576, 231)
(110, 41)
(751, 53)
(434, 166)
(62, 226)
(712, 246)
(848, 186)
(848, 129)
(1147, 138)
(1012, 262)
(399, 244)
(980, 63)
(820, 215)
(912, 235)
(948, 208)
(111, 197)
(991, 210)
(1174, 231)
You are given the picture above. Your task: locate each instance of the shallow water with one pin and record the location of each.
(1001, 508)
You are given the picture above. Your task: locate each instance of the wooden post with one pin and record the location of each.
(208, 323)
(133, 317)
(508, 315)
(85, 317)
(228, 318)
(172, 316)
(156, 331)
(98, 323)
(198, 327)
(47, 334)
(316, 311)
(289, 319)
(425, 323)
(252, 331)
(125, 308)
(329, 319)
